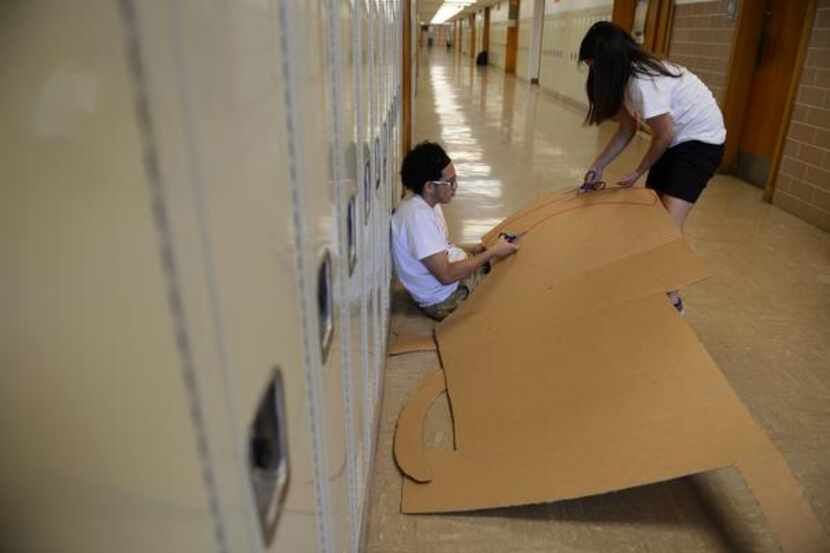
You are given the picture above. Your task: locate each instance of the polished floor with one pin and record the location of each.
(764, 315)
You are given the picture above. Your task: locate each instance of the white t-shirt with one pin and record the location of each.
(690, 103)
(419, 231)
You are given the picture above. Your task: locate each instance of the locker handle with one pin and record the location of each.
(351, 233)
(367, 189)
(325, 306)
(386, 145)
(377, 158)
(268, 456)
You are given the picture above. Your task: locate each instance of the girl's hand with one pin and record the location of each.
(593, 175)
(628, 181)
(592, 180)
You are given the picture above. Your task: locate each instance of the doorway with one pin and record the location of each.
(781, 22)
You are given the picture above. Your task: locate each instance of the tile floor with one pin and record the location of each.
(764, 315)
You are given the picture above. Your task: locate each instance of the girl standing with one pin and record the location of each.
(629, 85)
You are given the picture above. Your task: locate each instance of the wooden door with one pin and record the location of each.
(769, 92)
(512, 47)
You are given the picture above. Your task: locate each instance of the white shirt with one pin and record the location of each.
(419, 231)
(690, 103)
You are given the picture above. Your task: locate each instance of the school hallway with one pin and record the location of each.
(763, 315)
(201, 219)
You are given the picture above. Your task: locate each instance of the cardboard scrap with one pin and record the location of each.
(569, 374)
(411, 344)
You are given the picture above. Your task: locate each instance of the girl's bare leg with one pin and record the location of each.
(679, 210)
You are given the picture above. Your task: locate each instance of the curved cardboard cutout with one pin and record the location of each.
(569, 374)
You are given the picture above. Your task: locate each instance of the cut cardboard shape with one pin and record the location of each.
(569, 374)
(411, 344)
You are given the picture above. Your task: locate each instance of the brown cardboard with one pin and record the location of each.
(401, 344)
(569, 374)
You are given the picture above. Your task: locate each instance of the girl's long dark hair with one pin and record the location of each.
(615, 56)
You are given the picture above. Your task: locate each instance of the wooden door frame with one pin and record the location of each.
(741, 69)
(659, 18)
(623, 13)
(485, 31)
(511, 49)
(472, 20)
(792, 92)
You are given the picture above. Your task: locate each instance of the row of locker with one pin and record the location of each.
(196, 271)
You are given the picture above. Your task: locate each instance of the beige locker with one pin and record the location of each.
(151, 273)
(364, 106)
(342, 65)
(223, 155)
(312, 112)
(375, 264)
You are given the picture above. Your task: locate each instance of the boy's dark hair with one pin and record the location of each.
(422, 164)
(615, 57)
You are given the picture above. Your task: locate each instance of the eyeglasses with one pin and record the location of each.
(452, 182)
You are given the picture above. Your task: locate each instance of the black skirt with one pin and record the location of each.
(684, 170)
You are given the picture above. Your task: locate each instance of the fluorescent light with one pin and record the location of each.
(449, 9)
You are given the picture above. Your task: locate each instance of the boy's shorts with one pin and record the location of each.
(440, 311)
(684, 170)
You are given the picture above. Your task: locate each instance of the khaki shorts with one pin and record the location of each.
(440, 311)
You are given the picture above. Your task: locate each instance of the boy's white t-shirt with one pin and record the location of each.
(690, 103)
(419, 231)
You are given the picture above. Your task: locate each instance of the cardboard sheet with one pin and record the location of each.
(569, 374)
(402, 344)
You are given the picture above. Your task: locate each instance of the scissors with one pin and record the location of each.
(591, 184)
(511, 237)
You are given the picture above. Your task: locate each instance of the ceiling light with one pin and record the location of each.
(449, 9)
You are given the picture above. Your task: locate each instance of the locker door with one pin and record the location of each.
(223, 151)
(315, 192)
(93, 376)
(390, 34)
(344, 120)
(359, 307)
(362, 24)
(375, 78)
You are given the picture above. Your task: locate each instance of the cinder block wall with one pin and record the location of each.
(701, 40)
(803, 186)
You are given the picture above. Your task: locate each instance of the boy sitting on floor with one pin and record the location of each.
(437, 274)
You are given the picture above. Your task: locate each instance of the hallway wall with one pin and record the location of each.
(498, 34)
(803, 185)
(701, 40)
(525, 38)
(565, 25)
(465, 36)
(479, 32)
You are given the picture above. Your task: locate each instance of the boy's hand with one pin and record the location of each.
(476, 249)
(503, 248)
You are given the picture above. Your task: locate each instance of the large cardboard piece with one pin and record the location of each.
(570, 374)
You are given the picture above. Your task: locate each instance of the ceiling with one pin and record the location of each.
(427, 8)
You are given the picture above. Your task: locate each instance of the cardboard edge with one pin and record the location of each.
(423, 510)
(602, 197)
(412, 344)
(781, 498)
(409, 449)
